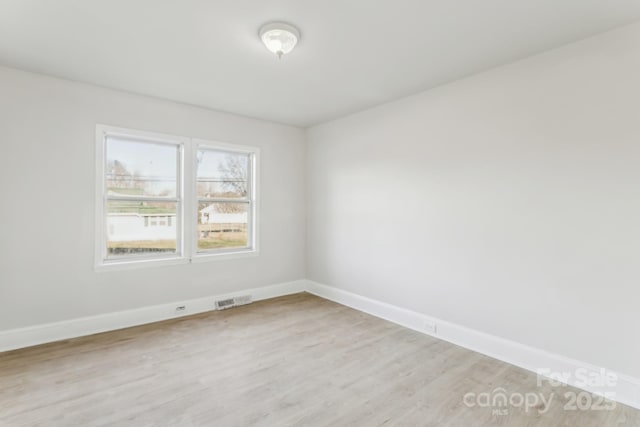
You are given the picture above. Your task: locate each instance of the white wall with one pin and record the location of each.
(508, 202)
(48, 169)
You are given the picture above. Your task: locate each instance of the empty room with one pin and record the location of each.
(320, 213)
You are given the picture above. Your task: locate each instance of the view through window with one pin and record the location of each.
(224, 203)
(142, 197)
(146, 214)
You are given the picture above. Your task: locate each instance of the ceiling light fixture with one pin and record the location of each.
(279, 38)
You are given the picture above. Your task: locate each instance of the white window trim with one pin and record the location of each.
(187, 238)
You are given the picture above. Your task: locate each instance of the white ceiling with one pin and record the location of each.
(353, 53)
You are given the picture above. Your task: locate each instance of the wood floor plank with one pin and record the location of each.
(290, 361)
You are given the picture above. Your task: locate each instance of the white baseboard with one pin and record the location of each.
(40, 334)
(626, 391)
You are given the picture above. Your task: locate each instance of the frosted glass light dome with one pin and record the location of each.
(279, 38)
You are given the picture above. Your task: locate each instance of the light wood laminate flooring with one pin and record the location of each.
(297, 360)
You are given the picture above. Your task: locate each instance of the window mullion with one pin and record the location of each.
(188, 188)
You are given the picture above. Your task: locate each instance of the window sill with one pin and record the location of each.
(221, 256)
(118, 265)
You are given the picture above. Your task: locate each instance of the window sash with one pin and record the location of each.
(141, 137)
(147, 225)
(249, 227)
(249, 199)
(200, 146)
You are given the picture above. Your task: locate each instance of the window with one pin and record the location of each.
(166, 199)
(224, 202)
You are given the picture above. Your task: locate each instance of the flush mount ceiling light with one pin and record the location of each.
(279, 38)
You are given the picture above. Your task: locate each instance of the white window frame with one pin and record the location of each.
(252, 199)
(187, 202)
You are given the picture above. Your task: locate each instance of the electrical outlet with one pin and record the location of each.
(180, 308)
(430, 327)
